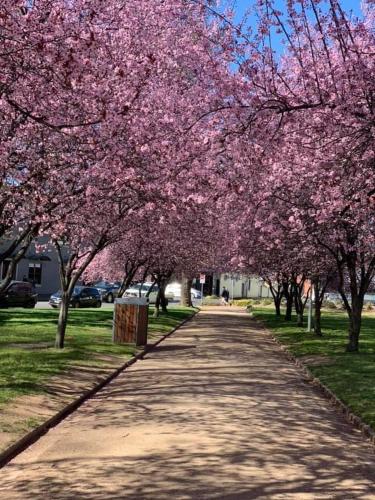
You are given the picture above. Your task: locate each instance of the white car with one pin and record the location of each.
(173, 292)
(144, 288)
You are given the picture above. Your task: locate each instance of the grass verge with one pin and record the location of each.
(351, 376)
(28, 358)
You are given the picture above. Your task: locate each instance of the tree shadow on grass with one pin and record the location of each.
(232, 420)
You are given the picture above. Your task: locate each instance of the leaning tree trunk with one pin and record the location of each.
(62, 321)
(186, 292)
(127, 279)
(15, 252)
(69, 276)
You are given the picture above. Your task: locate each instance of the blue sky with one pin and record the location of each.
(348, 5)
(352, 7)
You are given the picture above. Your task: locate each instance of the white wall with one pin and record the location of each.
(243, 286)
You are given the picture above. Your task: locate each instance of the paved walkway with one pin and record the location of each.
(216, 412)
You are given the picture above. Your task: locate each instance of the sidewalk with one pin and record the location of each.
(215, 412)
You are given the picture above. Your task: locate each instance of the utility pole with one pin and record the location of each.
(309, 314)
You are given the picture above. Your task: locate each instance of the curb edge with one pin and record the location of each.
(341, 407)
(31, 437)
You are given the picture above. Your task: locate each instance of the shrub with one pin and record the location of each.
(267, 302)
(211, 300)
(328, 304)
(242, 302)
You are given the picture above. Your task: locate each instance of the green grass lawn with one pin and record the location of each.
(27, 355)
(351, 376)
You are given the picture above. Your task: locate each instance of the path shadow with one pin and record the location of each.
(231, 419)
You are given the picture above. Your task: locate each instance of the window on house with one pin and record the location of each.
(35, 273)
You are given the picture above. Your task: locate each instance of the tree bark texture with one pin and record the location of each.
(289, 300)
(186, 292)
(62, 321)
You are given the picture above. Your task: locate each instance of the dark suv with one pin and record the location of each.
(19, 294)
(108, 291)
(83, 296)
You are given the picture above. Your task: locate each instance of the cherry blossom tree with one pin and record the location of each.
(307, 119)
(146, 152)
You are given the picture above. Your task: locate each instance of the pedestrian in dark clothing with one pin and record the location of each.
(225, 296)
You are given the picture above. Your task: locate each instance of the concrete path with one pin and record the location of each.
(216, 412)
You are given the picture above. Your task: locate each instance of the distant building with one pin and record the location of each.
(239, 286)
(39, 266)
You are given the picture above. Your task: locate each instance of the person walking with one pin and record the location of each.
(225, 296)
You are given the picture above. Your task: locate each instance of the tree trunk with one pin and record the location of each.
(297, 306)
(355, 321)
(300, 318)
(63, 318)
(277, 294)
(161, 279)
(357, 294)
(186, 292)
(299, 300)
(15, 252)
(277, 302)
(317, 318)
(69, 276)
(126, 282)
(289, 301)
(157, 306)
(318, 309)
(163, 300)
(289, 307)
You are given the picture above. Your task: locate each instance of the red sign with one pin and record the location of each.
(202, 279)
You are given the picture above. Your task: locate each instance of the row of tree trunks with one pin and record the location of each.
(276, 289)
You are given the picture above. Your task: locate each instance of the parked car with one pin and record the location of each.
(19, 294)
(83, 296)
(173, 292)
(332, 297)
(108, 291)
(133, 291)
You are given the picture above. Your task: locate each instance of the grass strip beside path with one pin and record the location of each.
(27, 356)
(351, 376)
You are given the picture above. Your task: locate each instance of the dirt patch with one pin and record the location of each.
(30, 345)
(316, 360)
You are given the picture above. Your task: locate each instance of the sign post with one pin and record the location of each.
(310, 294)
(202, 281)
